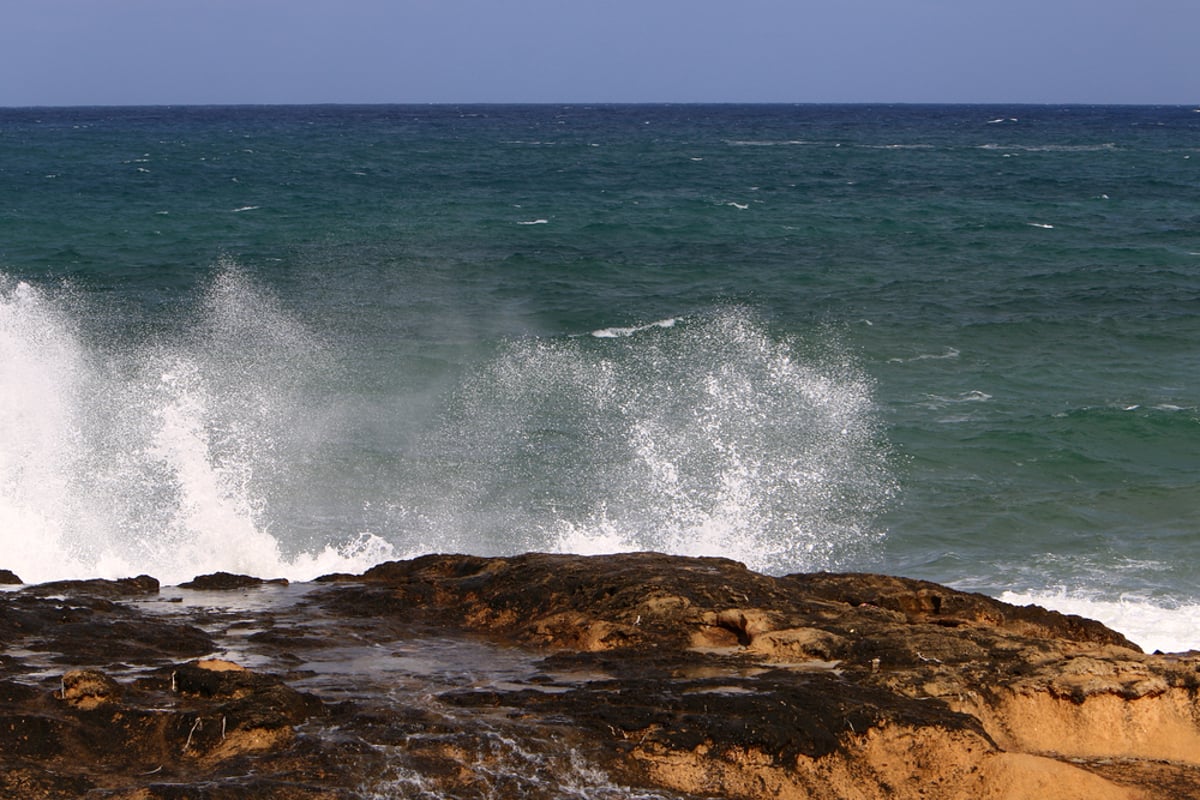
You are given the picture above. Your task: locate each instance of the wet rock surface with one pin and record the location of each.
(218, 581)
(546, 676)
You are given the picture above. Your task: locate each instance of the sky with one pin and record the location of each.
(176, 52)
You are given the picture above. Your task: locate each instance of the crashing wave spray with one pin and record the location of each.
(222, 443)
(39, 363)
(707, 437)
(163, 457)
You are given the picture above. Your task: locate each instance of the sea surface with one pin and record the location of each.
(959, 343)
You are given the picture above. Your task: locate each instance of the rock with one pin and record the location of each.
(8, 577)
(88, 688)
(925, 602)
(75, 623)
(627, 675)
(97, 587)
(221, 581)
(979, 694)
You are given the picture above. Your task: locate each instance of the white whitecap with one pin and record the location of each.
(738, 206)
(1045, 225)
(973, 396)
(534, 222)
(949, 352)
(614, 333)
(245, 208)
(764, 142)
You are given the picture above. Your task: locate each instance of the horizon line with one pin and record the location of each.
(605, 103)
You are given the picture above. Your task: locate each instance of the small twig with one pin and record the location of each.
(153, 771)
(195, 726)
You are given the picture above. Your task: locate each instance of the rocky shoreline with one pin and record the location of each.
(543, 676)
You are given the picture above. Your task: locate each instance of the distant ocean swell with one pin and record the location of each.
(206, 445)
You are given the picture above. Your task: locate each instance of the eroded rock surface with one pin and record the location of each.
(553, 676)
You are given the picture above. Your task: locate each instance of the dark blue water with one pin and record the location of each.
(950, 342)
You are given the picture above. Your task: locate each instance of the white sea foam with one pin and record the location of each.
(612, 333)
(1045, 225)
(535, 222)
(1150, 625)
(739, 206)
(246, 208)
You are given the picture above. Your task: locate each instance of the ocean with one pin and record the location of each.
(959, 343)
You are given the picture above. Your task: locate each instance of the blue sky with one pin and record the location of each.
(85, 52)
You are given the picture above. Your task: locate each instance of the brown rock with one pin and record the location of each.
(86, 689)
(678, 675)
(8, 577)
(815, 685)
(97, 587)
(223, 581)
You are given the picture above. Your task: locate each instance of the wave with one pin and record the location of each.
(612, 333)
(766, 142)
(898, 146)
(710, 439)
(948, 353)
(235, 442)
(1052, 148)
(973, 396)
(156, 457)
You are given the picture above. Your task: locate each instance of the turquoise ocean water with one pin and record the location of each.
(959, 343)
